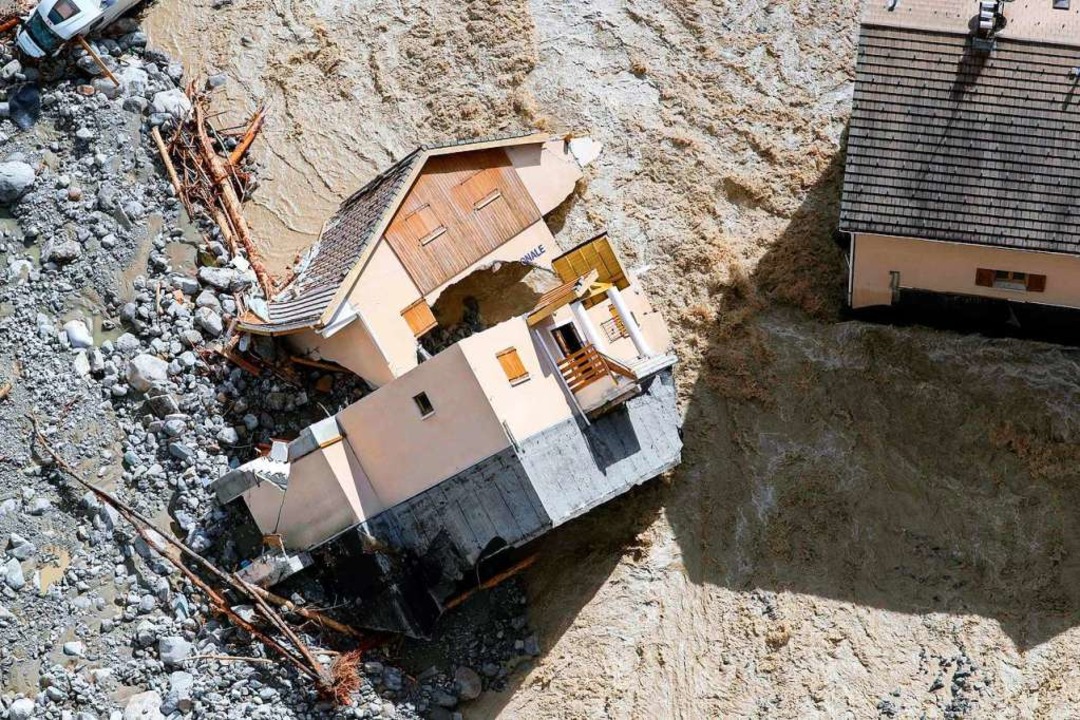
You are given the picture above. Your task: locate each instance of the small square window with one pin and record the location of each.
(423, 404)
(1061, 4)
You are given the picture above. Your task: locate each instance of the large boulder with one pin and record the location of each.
(209, 321)
(228, 279)
(147, 371)
(172, 102)
(16, 178)
(61, 251)
(78, 334)
(469, 685)
(21, 709)
(144, 706)
(173, 649)
(181, 686)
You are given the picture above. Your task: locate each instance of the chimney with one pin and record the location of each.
(991, 20)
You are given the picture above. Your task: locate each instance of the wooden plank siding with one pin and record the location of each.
(462, 207)
(596, 254)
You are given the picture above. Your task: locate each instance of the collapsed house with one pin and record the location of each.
(964, 136)
(516, 386)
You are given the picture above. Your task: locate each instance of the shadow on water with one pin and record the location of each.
(910, 469)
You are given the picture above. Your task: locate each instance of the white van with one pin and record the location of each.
(54, 22)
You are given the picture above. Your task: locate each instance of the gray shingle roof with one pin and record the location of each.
(947, 144)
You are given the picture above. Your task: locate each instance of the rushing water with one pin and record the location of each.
(307, 152)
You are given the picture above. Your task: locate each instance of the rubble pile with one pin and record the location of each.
(108, 331)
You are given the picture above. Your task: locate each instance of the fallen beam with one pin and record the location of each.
(97, 59)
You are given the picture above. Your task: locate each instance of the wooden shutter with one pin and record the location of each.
(1036, 283)
(419, 317)
(512, 365)
(984, 277)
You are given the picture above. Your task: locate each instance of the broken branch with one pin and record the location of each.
(97, 59)
(305, 662)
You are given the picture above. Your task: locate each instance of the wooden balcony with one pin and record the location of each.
(588, 367)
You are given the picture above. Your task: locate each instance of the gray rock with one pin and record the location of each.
(133, 81)
(13, 575)
(16, 177)
(172, 102)
(81, 363)
(469, 685)
(227, 279)
(78, 334)
(147, 371)
(173, 649)
(181, 685)
(144, 706)
(19, 547)
(443, 699)
(208, 299)
(21, 709)
(228, 436)
(61, 251)
(209, 321)
(162, 405)
(174, 427)
(127, 344)
(74, 649)
(186, 285)
(180, 451)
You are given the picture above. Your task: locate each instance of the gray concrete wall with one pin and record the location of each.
(574, 468)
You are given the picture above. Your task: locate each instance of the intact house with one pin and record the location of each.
(963, 155)
(517, 386)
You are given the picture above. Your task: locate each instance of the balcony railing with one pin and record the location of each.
(583, 368)
(588, 365)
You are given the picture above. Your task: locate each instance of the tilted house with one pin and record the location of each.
(517, 386)
(963, 154)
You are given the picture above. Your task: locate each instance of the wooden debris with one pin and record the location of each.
(492, 581)
(97, 59)
(207, 178)
(249, 137)
(171, 169)
(337, 684)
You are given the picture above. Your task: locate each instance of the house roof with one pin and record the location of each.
(326, 267)
(949, 144)
(1034, 20)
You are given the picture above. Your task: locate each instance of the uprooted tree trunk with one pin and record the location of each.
(224, 591)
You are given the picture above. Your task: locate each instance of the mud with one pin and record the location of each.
(863, 511)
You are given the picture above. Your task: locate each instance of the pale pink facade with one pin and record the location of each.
(882, 266)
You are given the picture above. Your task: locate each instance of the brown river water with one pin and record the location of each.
(316, 147)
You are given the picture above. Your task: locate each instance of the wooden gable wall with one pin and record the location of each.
(462, 207)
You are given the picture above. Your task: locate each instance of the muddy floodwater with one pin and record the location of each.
(320, 143)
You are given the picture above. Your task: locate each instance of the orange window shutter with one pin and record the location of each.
(419, 317)
(1036, 283)
(512, 365)
(984, 277)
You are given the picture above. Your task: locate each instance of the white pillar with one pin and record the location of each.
(585, 323)
(636, 336)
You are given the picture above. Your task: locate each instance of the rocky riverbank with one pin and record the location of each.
(111, 305)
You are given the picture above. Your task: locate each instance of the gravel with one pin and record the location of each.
(108, 346)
